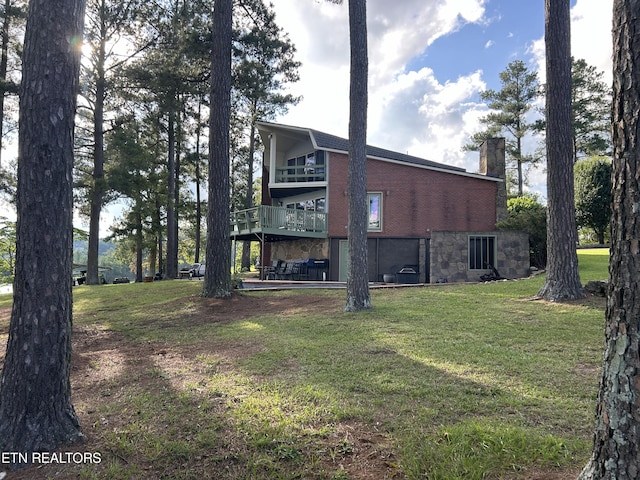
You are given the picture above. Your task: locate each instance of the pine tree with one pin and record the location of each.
(13, 15)
(358, 296)
(591, 110)
(617, 428)
(509, 107)
(107, 21)
(264, 64)
(217, 278)
(36, 413)
(562, 281)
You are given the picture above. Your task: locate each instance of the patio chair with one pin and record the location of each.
(271, 271)
(286, 273)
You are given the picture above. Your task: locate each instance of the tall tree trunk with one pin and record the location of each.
(217, 279)
(562, 280)
(153, 257)
(97, 192)
(157, 229)
(246, 246)
(197, 179)
(36, 413)
(176, 198)
(161, 266)
(519, 165)
(617, 430)
(172, 238)
(139, 239)
(358, 297)
(4, 61)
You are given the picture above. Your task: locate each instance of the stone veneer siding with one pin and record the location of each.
(300, 249)
(449, 256)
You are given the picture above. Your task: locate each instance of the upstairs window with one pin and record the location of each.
(306, 168)
(375, 211)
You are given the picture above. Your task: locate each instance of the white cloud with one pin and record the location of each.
(591, 33)
(400, 31)
(590, 37)
(406, 108)
(418, 115)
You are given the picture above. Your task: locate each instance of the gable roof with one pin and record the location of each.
(333, 143)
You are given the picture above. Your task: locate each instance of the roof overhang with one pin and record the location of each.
(292, 132)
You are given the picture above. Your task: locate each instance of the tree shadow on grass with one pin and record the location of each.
(271, 392)
(413, 401)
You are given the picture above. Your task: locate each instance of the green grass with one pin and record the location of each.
(6, 300)
(593, 264)
(469, 381)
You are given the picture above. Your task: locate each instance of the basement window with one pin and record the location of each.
(482, 252)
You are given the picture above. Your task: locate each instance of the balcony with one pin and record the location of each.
(300, 174)
(277, 223)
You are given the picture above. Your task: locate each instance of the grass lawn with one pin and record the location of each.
(593, 264)
(474, 381)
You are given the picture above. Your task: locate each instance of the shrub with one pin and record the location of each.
(527, 214)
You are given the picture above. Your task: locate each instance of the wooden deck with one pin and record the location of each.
(278, 221)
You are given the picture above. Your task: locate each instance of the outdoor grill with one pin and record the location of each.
(407, 274)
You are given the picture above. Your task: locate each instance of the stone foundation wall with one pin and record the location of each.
(449, 258)
(300, 249)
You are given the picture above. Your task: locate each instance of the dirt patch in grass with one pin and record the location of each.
(589, 300)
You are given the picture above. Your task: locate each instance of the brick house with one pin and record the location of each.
(436, 219)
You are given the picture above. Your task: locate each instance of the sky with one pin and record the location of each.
(428, 63)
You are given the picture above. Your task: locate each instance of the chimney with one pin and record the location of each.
(492, 164)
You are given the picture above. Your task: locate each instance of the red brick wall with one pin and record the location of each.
(416, 201)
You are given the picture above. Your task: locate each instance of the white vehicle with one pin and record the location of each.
(198, 269)
(195, 270)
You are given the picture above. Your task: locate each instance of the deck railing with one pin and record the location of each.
(300, 174)
(278, 220)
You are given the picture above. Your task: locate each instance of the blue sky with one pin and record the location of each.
(428, 63)
(489, 45)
